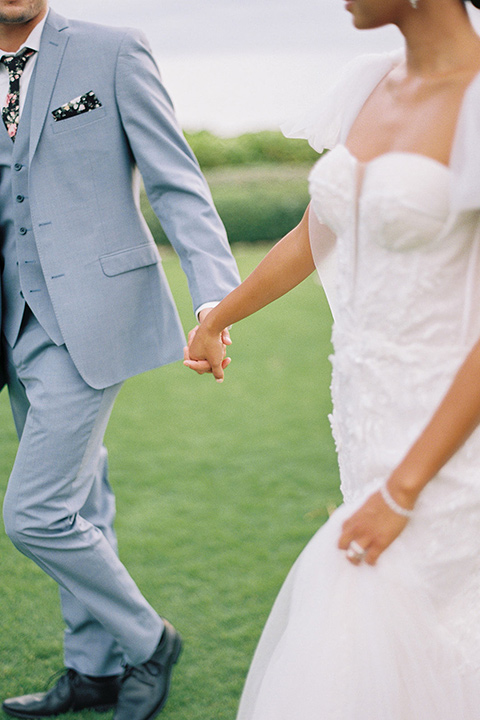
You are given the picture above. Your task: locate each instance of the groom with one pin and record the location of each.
(85, 305)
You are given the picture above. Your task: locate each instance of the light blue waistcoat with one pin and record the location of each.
(22, 277)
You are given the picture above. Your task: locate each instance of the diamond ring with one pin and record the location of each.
(355, 551)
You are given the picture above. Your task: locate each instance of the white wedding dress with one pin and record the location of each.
(400, 640)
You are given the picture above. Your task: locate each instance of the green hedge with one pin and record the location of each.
(249, 149)
(258, 182)
(255, 203)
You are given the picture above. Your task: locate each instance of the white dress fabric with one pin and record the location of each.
(400, 640)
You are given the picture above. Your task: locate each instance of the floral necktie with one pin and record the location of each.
(15, 65)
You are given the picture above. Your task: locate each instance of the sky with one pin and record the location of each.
(235, 66)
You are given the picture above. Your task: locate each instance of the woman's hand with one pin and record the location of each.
(371, 529)
(288, 263)
(206, 351)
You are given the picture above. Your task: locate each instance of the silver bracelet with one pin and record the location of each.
(394, 505)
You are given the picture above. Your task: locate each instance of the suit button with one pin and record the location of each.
(23, 231)
(18, 166)
(20, 198)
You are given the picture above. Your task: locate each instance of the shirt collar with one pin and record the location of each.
(33, 40)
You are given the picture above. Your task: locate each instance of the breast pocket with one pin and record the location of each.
(78, 121)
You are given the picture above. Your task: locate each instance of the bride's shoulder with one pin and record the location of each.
(322, 121)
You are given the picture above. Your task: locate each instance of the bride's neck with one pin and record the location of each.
(440, 40)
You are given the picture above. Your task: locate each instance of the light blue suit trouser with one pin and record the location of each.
(59, 507)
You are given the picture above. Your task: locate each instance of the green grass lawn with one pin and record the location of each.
(218, 489)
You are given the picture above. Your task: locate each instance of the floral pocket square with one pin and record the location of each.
(84, 103)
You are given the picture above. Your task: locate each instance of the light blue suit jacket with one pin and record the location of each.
(101, 265)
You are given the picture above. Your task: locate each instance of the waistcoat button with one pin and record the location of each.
(23, 231)
(20, 198)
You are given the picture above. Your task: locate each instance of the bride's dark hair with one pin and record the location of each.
(476, 3)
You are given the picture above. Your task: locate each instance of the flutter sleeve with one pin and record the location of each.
(329, 117)
(465, 158)
(326, 124)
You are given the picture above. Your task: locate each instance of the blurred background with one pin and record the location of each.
(240, 65)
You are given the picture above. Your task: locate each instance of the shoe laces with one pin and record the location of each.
(61, 676)
(138, 671)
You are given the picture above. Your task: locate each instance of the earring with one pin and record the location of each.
(413, 3)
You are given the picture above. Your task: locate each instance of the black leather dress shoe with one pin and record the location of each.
(73, 691)
(145, 687)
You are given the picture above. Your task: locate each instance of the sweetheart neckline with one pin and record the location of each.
(390, 153)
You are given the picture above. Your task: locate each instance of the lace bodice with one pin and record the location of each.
(407, 287)
(399, 242)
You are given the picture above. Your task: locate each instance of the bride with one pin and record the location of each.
(379, 619)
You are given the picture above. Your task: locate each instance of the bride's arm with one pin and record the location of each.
(288, 263)
(455, 419)
(375, 525)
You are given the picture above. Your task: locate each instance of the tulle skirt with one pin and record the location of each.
(348, 642)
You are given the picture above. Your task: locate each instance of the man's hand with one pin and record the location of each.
(202, 365)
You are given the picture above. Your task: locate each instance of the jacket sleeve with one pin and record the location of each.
(175, 186)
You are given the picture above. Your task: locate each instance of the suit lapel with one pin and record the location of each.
(52, 46)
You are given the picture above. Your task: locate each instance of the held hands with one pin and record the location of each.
(372, 528)
(206, 351)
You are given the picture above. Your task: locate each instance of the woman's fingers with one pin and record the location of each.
(370, 530)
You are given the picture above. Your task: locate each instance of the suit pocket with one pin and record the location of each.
(126, 260)
(77, 121)
(78, 106)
